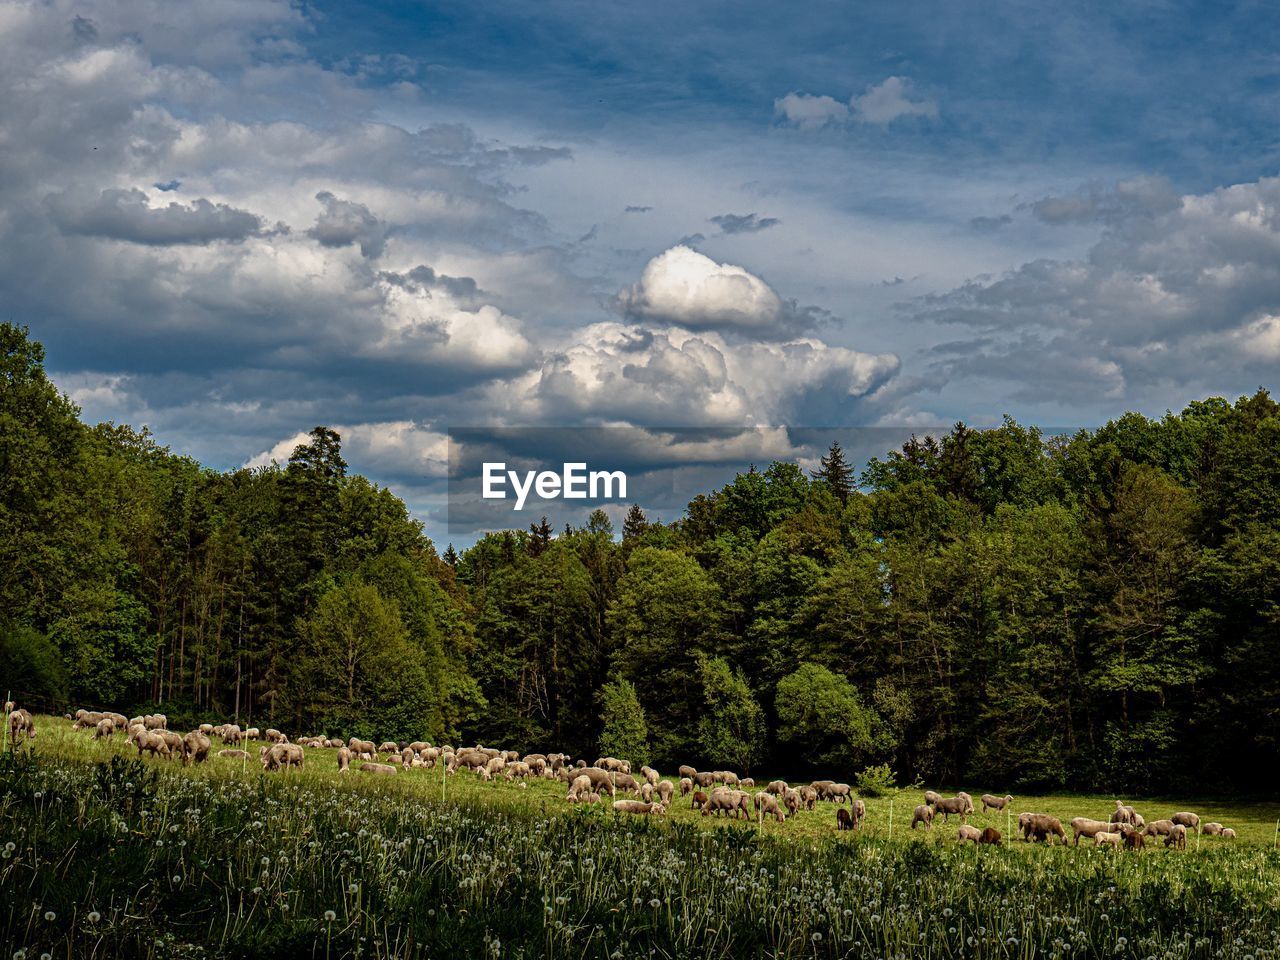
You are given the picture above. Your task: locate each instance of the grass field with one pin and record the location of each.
(103, 856)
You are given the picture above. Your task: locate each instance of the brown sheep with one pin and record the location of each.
(767, 806)
(844, 819)
(1134, 840)
(686, 786)
(1177, 837)
(687, 771)
(1040, 826)
(990, 835)
(968, 834)
(923, 814)
(791, 800)
(961, 805)
(344, 759)
(1084, 827)
(776, 787)
(990, 802)
(823, 787)
(195, 748)
(699, 801)
(704, 779)
(809, 797)
(1212, 829)
(637, 806)
(381, 769)
(281, 756)
(1189, 820)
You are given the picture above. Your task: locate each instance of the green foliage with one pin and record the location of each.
(731, 728)
(31, 663)
(876, 781)
(822, 717)
(625, 733)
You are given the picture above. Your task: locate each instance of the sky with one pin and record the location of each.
(237, 219)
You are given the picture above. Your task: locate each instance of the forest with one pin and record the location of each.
(1093, 611)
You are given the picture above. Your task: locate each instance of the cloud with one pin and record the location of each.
(890, 100)
(634, 208)
(1096, 203)
(686, 288)
(809, 112)
(127, 215)
(400, 449)
(990, 224)
(344, 222)
(1180, 292)
(743, 222)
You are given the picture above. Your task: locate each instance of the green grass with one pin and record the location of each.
(147, 859)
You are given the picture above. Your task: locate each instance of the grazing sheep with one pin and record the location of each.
(1040, 826)
(516, 769)
(844, 819)
(923, 814)
(995, 803)
(1134, 840)
(230, 733)
(686, 786)
(636, 806)
(579, 789)
(364, 749)
(206, 729)
(704, 779)
(1158, 828)
(1189, 820)
(278, 756)
(859, 808)
(966, 833)
(1213, 829)
(234, 754)
(777, 787)
(791, 800)
(1177, 837)
(21, 726)
(726, 801)
(377, 768)
(195, 748)
(767, 806)
(727, 777)
(149, 741)
(809, 797)
(650, 775)
(646, 792)
(174, 740)
(931, 798)
(1084, 827)
(625, 781)
(840, 792)
(155, 721)
(104, 729)
(274, 736)
(822, 787)
(614, 765)
(990, 835)
(687, 771)
(494, 766)
(1123, 813)
(1105, 839)
(386, 746)
(700, 800)
(961, 805)
(1228, 833)
(600, 780)
(344, 759)
(253, 733)
(665, 792)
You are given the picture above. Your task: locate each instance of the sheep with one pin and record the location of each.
(174, 740)
(665, 791)
(1133, 840)
(726, 777)
(961, 805)
(809, 797)
(104, 729)
(840, 792)
(278, 756)
(733, 802)
(777, 787)
(344, 759)
(822, 787)
(995, 803)
(234, 754)
(968, 834)
(844, 819)
(206, 729)
(636, 806)
(386, 746)
(625, 781)
(767, 805)
(990, 836)
(1213, 829)
(364, 749)
(650, 774)
(275, 736)
(923, 814)
(151, 742)
(859, 808)
(614, 765)
(1084, 827)
(580, 787)
(1123, 813)
(791, 800)
(1189, 820)
(1040, 826)
(600, 780)
(703, 779)
(700, 800)
(229, 733)
(686, 786)
(155, 721)
(1228, 833)
(378, 768)
(1177, 837)
(253, 733)
(931, 798)
(494, 766)
(21, 726)
(1104, 838)
(646, 792)
(195, 748)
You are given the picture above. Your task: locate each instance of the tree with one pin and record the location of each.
(635, 524)
(731, 730)
(450, 556)
(539, 537)
(835, 472)
(822, 717)
(625, 734)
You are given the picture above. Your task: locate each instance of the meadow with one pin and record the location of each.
(106, 856)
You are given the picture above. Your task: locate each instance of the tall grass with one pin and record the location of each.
(131, 859)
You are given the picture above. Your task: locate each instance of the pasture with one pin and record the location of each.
(104, 856)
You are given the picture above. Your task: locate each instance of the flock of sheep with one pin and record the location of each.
(715, 793)
(1126, 828)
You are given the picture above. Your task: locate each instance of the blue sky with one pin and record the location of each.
(237, 219)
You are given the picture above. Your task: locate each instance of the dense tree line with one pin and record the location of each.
(992, 606)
